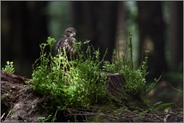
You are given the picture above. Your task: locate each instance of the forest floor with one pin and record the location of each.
(21, 103)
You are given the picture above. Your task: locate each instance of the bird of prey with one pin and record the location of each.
(67, 41)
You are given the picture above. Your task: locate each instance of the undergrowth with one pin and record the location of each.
(135, 78)
(72, 83)
(78, 83)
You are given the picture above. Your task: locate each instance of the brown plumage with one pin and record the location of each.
(67, 41)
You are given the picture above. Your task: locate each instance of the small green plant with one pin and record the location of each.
(47, 119)
(10, 112)
(72, 83)
(9, 68)
(135, 78)
(164, 107)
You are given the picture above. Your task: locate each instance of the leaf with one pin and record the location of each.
(163, 106)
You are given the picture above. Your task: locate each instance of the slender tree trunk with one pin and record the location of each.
(151, 33)
(121, 37)
(108, 22)
(175, 34)
(97, 21)
(24, 28)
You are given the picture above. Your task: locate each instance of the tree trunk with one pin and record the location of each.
(24, 27)
(175, 35)
(151, 33)
(97, 21)
(121, 35)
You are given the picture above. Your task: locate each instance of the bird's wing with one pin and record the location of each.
(59, 44)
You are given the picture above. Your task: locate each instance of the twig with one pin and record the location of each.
(166, 117)
(174, 87)
(91, 113)
(2, 116)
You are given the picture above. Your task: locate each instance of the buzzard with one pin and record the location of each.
(67, 41)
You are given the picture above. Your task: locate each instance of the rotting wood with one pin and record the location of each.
(22, 102)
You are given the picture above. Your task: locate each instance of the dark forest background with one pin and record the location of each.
(156, 26)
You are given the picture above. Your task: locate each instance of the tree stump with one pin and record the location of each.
(115, 85)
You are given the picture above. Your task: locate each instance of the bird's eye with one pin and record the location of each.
(69, 31)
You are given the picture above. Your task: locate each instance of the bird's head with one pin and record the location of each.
(70, 32)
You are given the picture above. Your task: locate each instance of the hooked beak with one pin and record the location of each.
(74, 34)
